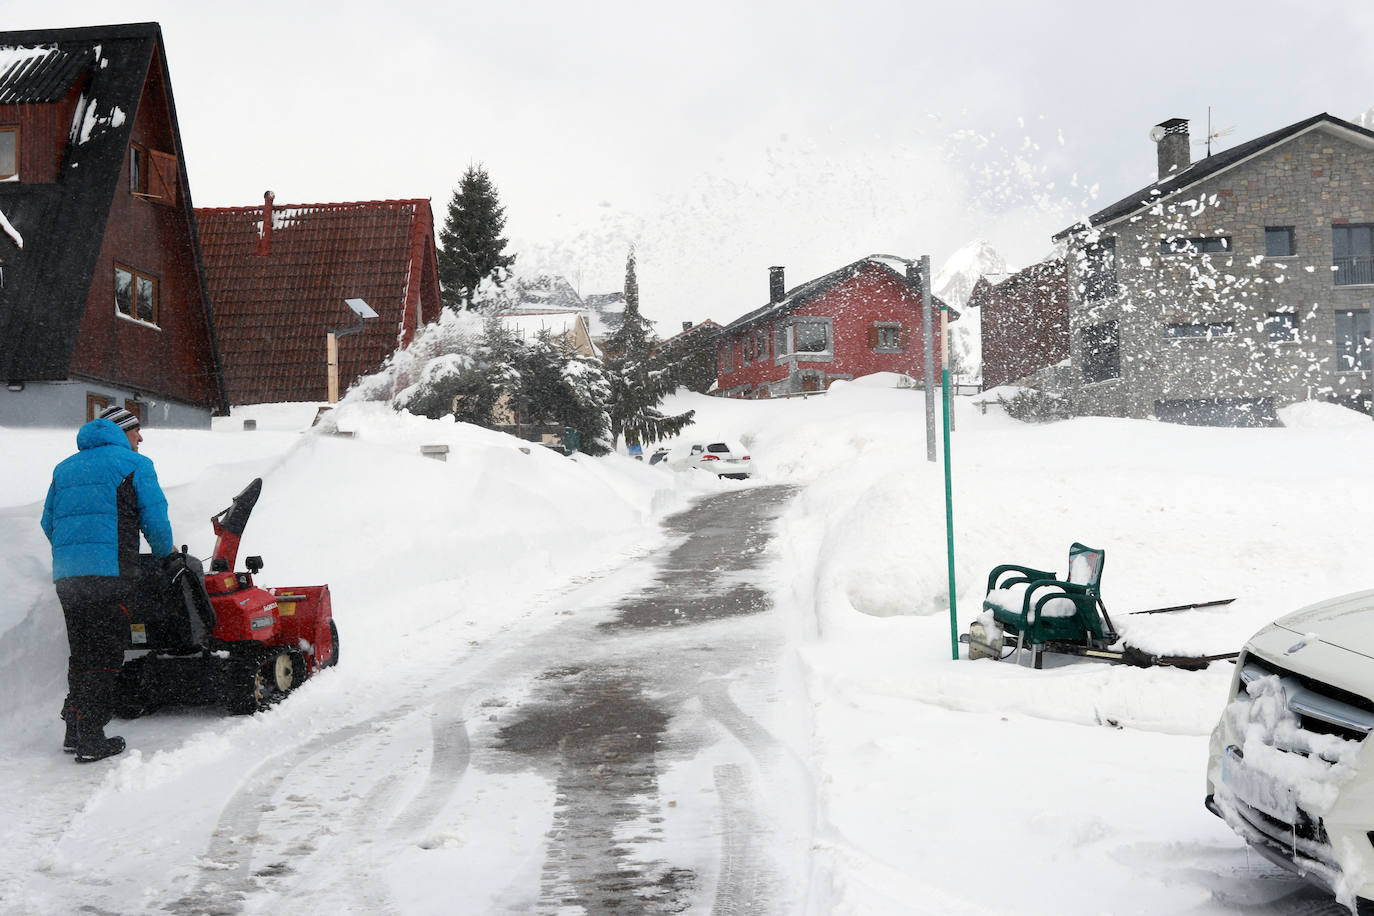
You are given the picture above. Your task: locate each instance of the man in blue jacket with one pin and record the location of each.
(99, 500)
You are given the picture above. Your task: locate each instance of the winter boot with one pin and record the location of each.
(69, 742)
(91, 744)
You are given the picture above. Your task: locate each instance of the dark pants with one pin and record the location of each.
(97, 628)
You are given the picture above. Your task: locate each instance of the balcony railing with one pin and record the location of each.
(1353, 271)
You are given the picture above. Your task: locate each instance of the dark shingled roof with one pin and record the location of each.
(47, 282)
(812, 289)
(274, 309)
(45, 76)
(1204, 168)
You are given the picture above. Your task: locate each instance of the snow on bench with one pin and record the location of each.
(1013, 598)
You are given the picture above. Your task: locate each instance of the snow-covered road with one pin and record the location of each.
(483, 615)
(626, 758)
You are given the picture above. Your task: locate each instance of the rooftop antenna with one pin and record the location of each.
(1213, 134)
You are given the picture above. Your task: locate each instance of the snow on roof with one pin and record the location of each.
(892, 262)
(11, 231)
(9, 56)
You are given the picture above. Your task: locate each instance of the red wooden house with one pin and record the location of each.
(1024, 322)
(101, 293)
(279, 277)
(858, 320)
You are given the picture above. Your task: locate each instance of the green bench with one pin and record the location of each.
(1040, 609)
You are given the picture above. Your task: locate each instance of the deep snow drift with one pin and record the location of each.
(940, 786)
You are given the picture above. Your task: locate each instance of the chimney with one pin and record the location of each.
(265, 235)
(686, 326)
(777, 287)
(1171, 137)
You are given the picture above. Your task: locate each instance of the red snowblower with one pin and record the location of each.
(217, 638)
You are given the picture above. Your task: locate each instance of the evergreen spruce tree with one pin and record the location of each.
(560, 387)
(639, 378)
(473, 249)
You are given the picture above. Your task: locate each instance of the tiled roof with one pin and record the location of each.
(1209, 166)
(277, 294)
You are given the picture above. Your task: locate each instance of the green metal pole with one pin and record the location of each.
(949, 519)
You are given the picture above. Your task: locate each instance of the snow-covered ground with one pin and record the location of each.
(940, 786)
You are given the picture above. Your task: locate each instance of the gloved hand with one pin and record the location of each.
(174, 565)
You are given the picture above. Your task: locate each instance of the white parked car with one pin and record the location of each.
(721, 457)
(1290, 769)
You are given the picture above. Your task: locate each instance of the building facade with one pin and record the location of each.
(102, 299)
(1024, 322)
(863, 318)
(1234, 285)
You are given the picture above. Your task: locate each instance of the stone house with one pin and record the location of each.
(1233, 285)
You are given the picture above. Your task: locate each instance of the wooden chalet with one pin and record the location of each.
(102, 297)
(1024, 323)
(279, 276)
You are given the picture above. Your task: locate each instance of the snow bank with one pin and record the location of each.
(366, 512)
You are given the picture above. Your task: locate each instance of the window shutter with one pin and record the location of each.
(901, 338)
(873, 336)
(162, 177)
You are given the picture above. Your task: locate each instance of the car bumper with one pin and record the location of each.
(1308, 815)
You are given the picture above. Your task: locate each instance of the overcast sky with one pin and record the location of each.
(725, 137)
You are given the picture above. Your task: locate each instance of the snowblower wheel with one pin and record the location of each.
(263, 678)
(334, 642)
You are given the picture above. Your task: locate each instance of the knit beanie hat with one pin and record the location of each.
(121, 418)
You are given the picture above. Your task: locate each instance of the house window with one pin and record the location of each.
(135, 294)
(1281, 327)
(727, 357)
(1279, 242)
(885, 337)
(810, 337)
(138, 169)
(749, 348)
(135, 408)
(1214, 245)
(9, 152)
(1352, 254)
(95, 403)
(1352, 339)
(763, 338)
(1101, 352)
(1099, 270)
(1200, 329)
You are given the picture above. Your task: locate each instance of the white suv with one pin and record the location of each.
(1289, 768)
(721, 457)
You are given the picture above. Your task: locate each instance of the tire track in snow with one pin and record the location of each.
(226, 880)
(745, 885)
(452, 754)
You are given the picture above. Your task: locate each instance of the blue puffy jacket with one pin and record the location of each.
(99, 500)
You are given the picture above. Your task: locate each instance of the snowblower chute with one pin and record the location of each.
(216, 637)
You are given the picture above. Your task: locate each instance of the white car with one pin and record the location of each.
(1289, 768)
(721, 457)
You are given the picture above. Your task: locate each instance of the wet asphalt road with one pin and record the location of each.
(603, 729)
